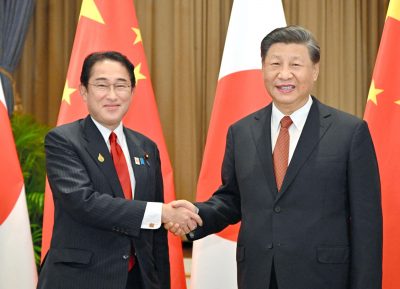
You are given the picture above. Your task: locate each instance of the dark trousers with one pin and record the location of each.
(273, 284)
(134, 278)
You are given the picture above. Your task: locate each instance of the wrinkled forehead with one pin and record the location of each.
(292, 51)
(108, 70)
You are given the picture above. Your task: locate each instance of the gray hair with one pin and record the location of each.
(291, 34)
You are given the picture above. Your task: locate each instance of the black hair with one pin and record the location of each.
(95, 57)
(291, 34)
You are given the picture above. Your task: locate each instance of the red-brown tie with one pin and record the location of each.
(121, 167)
(281, 151)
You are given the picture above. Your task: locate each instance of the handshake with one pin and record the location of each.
(180, 217)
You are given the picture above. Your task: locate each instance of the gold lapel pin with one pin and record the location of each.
(100, 158)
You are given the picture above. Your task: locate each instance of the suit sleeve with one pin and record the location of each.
(160, 248)
(73, 191)
(223, 208)
(365, 212)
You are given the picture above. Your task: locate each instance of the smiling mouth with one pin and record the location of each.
(111, 106)
(285, 88)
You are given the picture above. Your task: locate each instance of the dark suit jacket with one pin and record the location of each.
(324, 229)
(94, 225)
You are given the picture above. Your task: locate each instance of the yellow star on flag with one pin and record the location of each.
(67, 93)
(138, 74)
(394, 10)
(138, 35)
(90, 10)
(373, 92)
(397, 102)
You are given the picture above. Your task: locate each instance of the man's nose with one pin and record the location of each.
(285, 72)
(112, 92)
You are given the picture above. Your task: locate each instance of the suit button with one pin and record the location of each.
(270, 246)
(125, 257)
(277, 209)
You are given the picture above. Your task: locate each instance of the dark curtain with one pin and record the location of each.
(14, 19)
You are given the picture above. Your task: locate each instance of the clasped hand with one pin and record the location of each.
(180, 217)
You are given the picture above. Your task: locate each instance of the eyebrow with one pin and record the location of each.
(106, 79)
(280, 56)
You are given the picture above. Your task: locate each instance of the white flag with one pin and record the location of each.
(17, 265)
(240, 91)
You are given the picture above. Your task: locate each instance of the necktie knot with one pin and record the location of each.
(113, 138)
(286, 121)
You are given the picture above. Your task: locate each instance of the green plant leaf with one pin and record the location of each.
(29, 140)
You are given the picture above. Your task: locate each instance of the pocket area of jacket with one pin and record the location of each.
(71, 256)
(333, 255)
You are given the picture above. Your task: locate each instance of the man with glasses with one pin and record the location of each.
(108, 192)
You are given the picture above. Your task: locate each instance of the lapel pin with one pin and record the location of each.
(137, 161)
(100, 158)
(147, 157)
(141, 161)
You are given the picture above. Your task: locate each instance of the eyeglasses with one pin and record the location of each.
(120, 88)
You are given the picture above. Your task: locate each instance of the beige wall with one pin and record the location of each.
(184, 42)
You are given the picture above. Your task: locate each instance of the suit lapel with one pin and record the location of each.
(139, 163)
(317, 123)
(262, 135)
(98, 150)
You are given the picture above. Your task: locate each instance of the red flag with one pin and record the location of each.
(18, 269)
(103, 25)
(383, 116)
(240, 91)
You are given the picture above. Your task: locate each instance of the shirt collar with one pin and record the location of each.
(298, 117)
(105, 132)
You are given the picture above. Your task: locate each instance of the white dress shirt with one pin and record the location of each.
(298, 117)
(152, 215)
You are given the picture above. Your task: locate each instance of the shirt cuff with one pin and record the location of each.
(152, 216)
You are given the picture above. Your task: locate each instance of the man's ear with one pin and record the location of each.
(315, 71)
(83, 91)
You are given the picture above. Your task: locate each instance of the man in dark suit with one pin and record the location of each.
(108, 192)
(303, 180)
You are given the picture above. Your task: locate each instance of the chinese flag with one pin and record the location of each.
(107, 25)
(240, 91)
(18, 269)
(383, 116)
